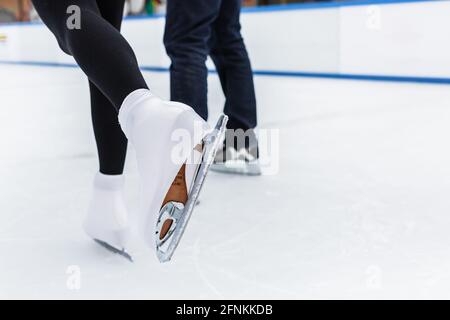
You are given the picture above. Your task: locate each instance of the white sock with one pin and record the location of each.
(107, 217)
(151, 125)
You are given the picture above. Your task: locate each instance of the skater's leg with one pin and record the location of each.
(111, 141)
(96, 45)
(148, 122)
(230, 56)
(112, 11)
(107, 218)
(188, 28)
(240, 151)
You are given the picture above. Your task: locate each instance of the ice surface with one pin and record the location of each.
(359, 209)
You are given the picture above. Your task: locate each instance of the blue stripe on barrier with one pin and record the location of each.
(40, 64)
(348, 76)
(269, 73)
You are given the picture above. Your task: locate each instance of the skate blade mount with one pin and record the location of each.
(114, 250)
(212, 142)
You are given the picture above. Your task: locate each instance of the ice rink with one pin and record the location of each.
(360, 207)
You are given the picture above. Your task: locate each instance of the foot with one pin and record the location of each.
(164, 136)
(107, 219)
(238, 155)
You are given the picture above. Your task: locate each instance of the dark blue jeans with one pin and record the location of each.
(196, 29)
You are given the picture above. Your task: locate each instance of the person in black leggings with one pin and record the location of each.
(121, 101)
(96, 52)
(111, 141)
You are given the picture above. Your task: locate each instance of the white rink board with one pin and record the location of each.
(398, 39)
(269, 47)
(405, 39)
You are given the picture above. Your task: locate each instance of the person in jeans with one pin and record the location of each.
(198, 28)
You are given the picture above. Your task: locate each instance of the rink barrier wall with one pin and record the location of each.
(336, 40)
(271, 8)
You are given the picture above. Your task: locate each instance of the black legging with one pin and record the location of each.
(108, 61)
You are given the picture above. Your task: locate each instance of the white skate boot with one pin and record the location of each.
(107, 218)
(174, 151)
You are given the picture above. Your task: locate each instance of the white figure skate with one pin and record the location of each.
(174, 151)
(107, 218)
(178, 206)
